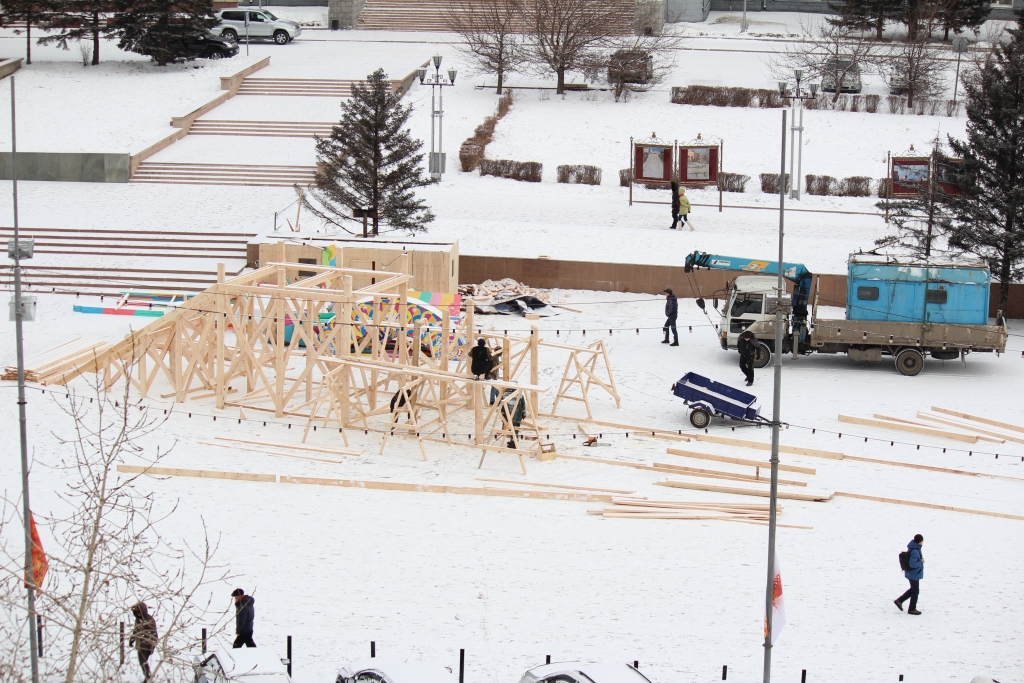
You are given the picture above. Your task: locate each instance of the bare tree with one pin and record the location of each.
(833, 54)
(914, 68)
(492, 34)
(571, 35)
(110, 553)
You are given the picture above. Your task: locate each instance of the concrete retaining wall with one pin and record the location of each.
(73, 167)
(344, 12)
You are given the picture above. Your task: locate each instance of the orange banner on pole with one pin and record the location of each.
(40, 565)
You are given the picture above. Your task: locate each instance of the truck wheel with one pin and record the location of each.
(700, 418)
(909, 362)
(762, 356)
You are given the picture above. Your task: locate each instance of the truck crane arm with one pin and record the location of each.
(796, 273)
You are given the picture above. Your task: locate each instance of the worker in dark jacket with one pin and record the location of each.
(914, 575)
(245, 615)
(143, 636)
(747, 345)
(671, 311)
(481, 360)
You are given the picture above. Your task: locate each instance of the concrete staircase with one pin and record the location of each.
(223, 174)
(307, 87)
(431, 15)
(276, 129)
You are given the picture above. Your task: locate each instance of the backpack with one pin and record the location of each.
(905, 561)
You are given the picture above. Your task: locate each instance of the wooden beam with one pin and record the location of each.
(720, 474)
(739, 461)
(266, 452)
(795, 450)
(602, 461)
(555, 486)
(202, 474)
(459, 490)
(976, 418)
(970, 428)
(764, 493)
(928, 426)
(933, 506)
(900, 427)
(333, 451)
(642, 431)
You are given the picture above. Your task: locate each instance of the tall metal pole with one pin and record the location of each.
(440, 126)
(776, 420)
(794, 179)
(22, 421)
(433, 118)
(743, 22)
(800, 152)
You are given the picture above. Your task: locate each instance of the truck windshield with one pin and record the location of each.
(747, 303)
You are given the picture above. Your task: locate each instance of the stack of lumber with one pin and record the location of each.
(639, 508)
(505, 286)
(982, 426)
(49, 366)
(928, 425)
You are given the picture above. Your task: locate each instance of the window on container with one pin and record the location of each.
(936, 296)
(747, 303)
(867, 293)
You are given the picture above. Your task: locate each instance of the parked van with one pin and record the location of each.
(262, 24)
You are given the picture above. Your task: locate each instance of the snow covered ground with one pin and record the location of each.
(513, 580)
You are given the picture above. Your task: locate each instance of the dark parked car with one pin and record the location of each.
(840, 70)
(213, 47)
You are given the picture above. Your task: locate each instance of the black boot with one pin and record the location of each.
(675, 343)
(665, 340)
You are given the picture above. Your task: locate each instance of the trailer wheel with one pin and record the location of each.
(762, 355)
(700, 418)
(909, 362)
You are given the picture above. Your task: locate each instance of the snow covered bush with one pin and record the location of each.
(733, 182)
(821, 185)
(625, 177)
(855, 186)
(526, 171)
(897, 104)
(871, 103)
(770, 183)
(579, 174)
(473, 149)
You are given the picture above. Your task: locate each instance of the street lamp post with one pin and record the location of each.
(960, 46)
(796, 133)
(438, 82)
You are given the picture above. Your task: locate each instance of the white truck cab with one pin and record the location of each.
(751, 299)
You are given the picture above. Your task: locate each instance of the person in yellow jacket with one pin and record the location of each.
(680, 205)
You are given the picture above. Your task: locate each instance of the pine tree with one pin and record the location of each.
(79, 20)
(959, 15)
(988, 220)
(371, 162)
(29, 12)
(921, 222)
(865, 15)
(162, 29)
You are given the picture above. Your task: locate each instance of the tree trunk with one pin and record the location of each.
(95, 38)
(560, 90)
(879, 24)
(501, 78)
(945, 36)
(28, 36)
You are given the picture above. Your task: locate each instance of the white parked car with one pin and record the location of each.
(262, 24)
(242, 665)
(583, 672)
(393, 670)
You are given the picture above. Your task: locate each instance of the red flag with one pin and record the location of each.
(40, 565)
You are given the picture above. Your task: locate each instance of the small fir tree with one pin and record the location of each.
(370, 162)
(162, 29)
(988, 219)
(28, 12)
(76, 20)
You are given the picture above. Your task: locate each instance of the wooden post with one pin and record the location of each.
(222, 323)
(534, 365)
(282, 257)
(446, 345)
(632, 155)
(470, 333)
(375, 329)
(312, 320)
(179, 390)
(416, 344)
(403, 321)
(506, 361)
(478, 415)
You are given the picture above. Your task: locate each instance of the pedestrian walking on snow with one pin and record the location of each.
(680, 205)
(482, 362)
(913, 569)
(671, 311)
(143, 636)
(747, 346)
(245, 615)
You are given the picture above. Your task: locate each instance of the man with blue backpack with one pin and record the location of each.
(912, 564)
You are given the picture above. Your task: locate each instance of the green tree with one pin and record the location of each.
(920, 223)
(960, 15)
(371, 162)
(28, 12)
(162, 29)
(866, 15)
(988, 219)
(79, 20)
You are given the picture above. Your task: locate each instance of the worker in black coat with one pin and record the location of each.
(671, 311)
(482, 362)
(143, 636)
(245, 616)
(747, 345)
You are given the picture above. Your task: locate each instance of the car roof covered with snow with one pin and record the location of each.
(586, 672)
(396, 670)
(250, 664)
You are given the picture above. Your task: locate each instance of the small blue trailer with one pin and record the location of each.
(707, 398)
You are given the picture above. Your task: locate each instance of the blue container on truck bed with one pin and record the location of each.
(898, 289)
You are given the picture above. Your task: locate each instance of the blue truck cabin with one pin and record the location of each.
(895, 289)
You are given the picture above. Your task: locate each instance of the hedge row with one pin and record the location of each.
(473, 149)
(527, 171)
(713, 96)
(579, 174)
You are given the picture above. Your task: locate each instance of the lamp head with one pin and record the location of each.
(782, 88)
(422, 73)
(437, 61)
(814, 89)
(799, 74)
(451, 75)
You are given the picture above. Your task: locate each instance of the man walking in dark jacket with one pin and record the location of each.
(143, 636)
(747, 346)
(671, 311)
(914, 575)
(245, 615)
